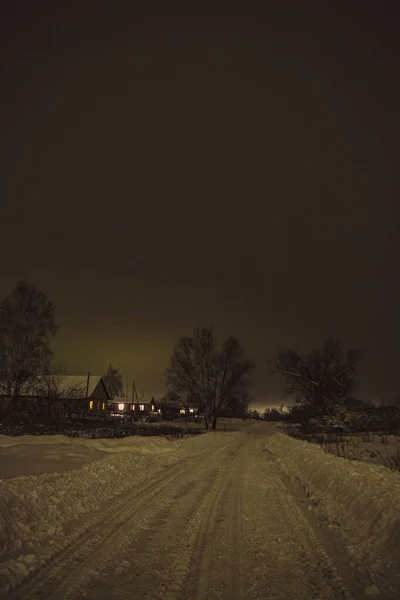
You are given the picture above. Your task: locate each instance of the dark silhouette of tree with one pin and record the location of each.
(272, 414)
(113, 381)
(321, 378)
(26, 328)
(254, 414)
(237, 404)
(212, 377)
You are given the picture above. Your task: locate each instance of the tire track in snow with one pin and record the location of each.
(164, 551)
(184, 539)
(70, 568)
(235, 538)
(221, 505)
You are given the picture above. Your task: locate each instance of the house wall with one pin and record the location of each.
(137, 409)
(99, 392)
(97, 405)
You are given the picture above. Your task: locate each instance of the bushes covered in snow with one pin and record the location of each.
(348, 419)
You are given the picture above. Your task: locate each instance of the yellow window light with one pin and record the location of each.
(121, 406)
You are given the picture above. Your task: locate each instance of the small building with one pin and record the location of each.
(120, 406)
(175, 409)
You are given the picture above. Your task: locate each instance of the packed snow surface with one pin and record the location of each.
(252, 514)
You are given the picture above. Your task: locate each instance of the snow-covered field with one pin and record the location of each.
(250, 514)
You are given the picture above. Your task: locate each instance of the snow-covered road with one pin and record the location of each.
(225, 522)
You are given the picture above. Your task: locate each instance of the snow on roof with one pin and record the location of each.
(80, 381)
(77, 382)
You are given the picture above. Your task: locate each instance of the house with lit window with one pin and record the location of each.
(92, 388)
(120, 406)
(85, 395)
(176, 409)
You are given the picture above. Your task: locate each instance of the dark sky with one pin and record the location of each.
(161, 172)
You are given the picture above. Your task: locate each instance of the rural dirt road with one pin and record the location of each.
(222, 525)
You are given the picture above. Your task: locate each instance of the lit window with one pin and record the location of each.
(133, 407)
(191, 409)
(141, 407)
(103, 406)
(121, 406)
(182, 411)
(90, 404)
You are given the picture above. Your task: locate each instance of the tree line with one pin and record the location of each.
(214, 377)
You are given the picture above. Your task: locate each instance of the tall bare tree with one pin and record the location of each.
(322, 377)
(212, 377)
(113, 381)
(27, 324)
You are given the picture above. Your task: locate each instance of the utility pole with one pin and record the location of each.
(134, 393)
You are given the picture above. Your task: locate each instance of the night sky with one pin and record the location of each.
(162, 172)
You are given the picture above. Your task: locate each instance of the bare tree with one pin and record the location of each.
(77, 391)
(210, 376)
(320, 378)
(50, 384)
(26, 328)
(113, 381)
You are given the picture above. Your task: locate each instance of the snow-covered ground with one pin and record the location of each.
(239, 515)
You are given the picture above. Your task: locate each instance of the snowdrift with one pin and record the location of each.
(36, 510)
(363, 500)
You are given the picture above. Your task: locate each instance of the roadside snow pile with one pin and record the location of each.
(126, 444)
(29, 455)
(36, 509)
(363, 499)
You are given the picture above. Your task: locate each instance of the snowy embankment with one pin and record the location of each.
(363, 500)
(36, 509)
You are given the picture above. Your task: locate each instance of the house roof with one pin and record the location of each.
(80, 381)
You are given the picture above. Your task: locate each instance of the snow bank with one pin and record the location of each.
(132, 443)
(37, 509)
(362, 499)
(35, 455)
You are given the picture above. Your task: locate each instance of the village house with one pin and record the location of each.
(140, 408)
(92, 388)
(63, 395)
(176, 409)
